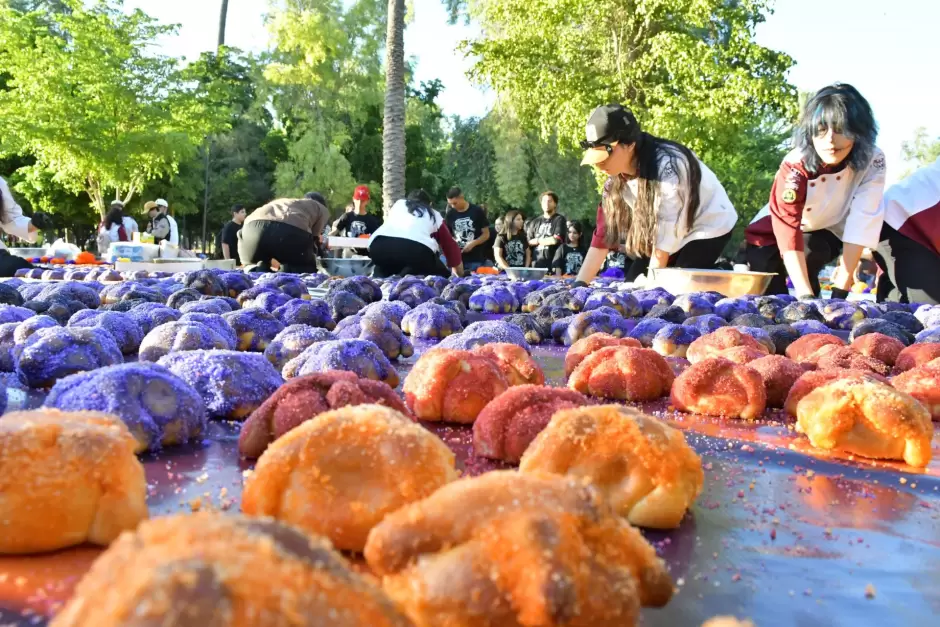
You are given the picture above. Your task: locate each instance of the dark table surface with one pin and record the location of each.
(781, 534)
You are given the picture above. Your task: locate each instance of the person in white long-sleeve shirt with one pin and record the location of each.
(164, 207)
(12, 220)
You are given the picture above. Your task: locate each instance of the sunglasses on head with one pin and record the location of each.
(586, 145)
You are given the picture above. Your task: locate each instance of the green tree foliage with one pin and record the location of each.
(83, 99)
(690, 69)
(920, 151)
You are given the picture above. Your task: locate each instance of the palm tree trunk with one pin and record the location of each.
(393, 133)
(223, 14)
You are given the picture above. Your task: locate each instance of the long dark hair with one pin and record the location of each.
(843, 109)
(576, 224)
(419, 203)
(656, 159)
(509, 219)
(114, 216)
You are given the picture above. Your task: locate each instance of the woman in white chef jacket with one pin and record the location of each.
(909, 251)
(826, 197)
(661, 205)
(12, 220)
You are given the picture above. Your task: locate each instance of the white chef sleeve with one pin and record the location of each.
(866, 211)
(672, 199)
(13, 221)
(174, 231)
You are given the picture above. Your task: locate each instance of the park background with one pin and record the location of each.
(137, 100)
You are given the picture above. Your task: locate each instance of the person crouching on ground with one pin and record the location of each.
(286, 230)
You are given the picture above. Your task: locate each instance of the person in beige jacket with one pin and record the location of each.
(286, 230)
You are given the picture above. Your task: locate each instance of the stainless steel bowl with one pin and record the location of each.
(678, 281)
(355, 266)
(526, 274)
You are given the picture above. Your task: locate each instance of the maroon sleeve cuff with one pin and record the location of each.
(599, 240)
(448, 246)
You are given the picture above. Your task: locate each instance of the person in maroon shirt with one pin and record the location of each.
(826, 197)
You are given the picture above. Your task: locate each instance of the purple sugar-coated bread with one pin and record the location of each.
(9, 295)
(158, 407)
(673, 340)
(235, 283)
(601, 320)
(122, 327)
(269, 301)
(359, 356)
(233, 304)
(870, 309)
(29, 291)
(519, 290)
(379, 330)
(254, 327)
(437, 282)
(931, 335)
(624, 303)
(289, 284)
(215, 322)
(782, 335)
(751, 320)
(548, 315)
(292, 341)
(215, 306)
(151, 315)
(669, 313)
(314, 313)
(652, 297)
(530, 326)
(413, 294)
(313, 280)
(232, 384)
(56, 352)
(928, 316)
(841, 315)
(177, 336)
(177, 299)
(7, 344)
(646, 329)
(494, 299)
(205, 282)
(431, 321)
(28, 327)
(70, 291)
(731, 308)
(394, 310)
(128, 290)
(110, 276)
(55, 307)
(905, 320)
(13, 282)
(344, 304)
(762, 336)
(34, 273)
(694, 304)
(254, 292)
(486, 332)
(706, 323)
(12, 313)
(362, 286)
(568, 300)
(799, 312)
(537, 298)
(807, 327)
(454, 305)
(459, 292)
(884, 327)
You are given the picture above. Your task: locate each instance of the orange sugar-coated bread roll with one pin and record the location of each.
(509, 423)
(340, 473)
(644, 467)
(67, 478)
(623, 373)
(813, 379)
(831, 357)
(594, 342)
(719, 340)
(923, 383)
(514, 362)
(878, 346)
(915, 355)
(718, 387)
(452, 385)
(508, 548)
(741, 354)
(867, 418)
(779, 373)
(220, 570)
(806, 346)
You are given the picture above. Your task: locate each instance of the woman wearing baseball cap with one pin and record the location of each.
(661, 205)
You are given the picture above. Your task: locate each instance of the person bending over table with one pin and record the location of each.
(663, 205)
(286, 230)
(909, 251)
(826, 197)
(412, 239)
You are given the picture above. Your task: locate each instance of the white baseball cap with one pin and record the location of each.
(161, 203)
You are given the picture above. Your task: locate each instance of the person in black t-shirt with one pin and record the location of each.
(570, 255)
(512, 247)
(547, 232)
(356, 224)
(227, 243)
(470, 229)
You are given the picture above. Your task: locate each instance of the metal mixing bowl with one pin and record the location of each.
(355, 266)
(678, 281)
(526, 274)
